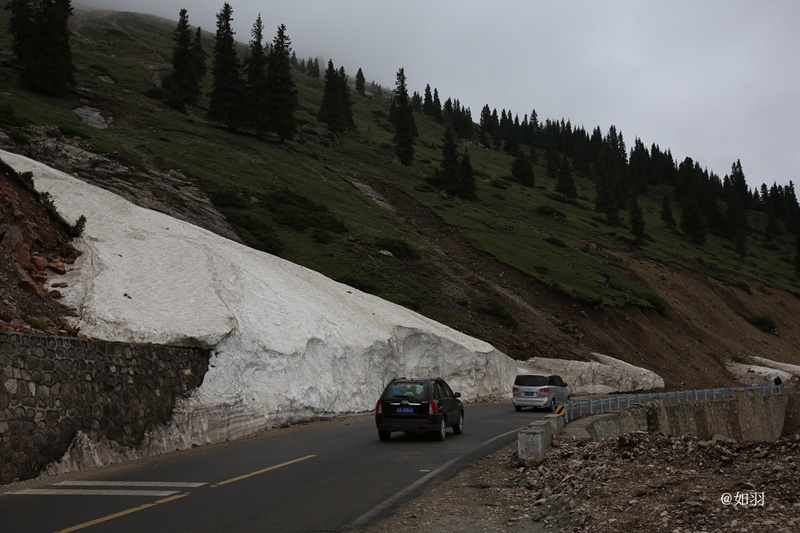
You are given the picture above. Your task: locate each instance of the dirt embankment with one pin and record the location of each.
(706, 323)
(33, 243)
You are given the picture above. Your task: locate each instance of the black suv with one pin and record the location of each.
(419, 405)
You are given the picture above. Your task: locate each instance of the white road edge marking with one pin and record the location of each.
(95, 492)
(129, 484)
(134, 488)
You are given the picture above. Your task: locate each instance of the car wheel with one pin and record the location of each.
(458, 429)
(442, 432)
(518, 407)
(384, 435)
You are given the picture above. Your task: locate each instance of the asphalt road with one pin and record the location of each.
(324, 476)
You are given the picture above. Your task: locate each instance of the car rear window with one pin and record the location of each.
(405, 389)
(530, 380)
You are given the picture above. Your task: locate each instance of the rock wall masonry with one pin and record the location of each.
(53, 387)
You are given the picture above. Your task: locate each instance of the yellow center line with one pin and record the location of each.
(122, 513)
(257, 472)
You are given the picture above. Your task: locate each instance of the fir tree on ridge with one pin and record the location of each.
(40, 43)
(401, 115)
(336, 109)
(226, 91)
(188, 64)
(522, 170)
(256, 95)
(281, 90)
(360, 83)
(566, 183)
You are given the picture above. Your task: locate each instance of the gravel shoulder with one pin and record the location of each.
(639, 482)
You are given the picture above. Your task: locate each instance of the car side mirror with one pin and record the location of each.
(457, 394)
(565, 384)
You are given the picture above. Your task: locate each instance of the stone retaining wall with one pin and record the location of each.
(52, 387)
(744, 417)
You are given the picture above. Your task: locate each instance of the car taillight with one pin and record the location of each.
(544, 389)
(379, 407)
(433, 407)
(514, 389)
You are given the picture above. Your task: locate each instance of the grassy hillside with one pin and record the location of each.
(302, 201)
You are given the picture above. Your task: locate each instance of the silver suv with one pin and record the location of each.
(539, 391)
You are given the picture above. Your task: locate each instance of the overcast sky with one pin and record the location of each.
(715, 80)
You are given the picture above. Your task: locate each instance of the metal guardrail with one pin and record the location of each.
(581, 408)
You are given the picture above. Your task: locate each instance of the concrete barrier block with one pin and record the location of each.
(534, 441)
(557, 423)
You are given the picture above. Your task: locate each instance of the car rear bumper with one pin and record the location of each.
(414, 425)
(528, 401)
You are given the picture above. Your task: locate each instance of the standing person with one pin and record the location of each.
(778, 383)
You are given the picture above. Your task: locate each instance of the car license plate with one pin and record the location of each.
(405, 410)
(529, 394)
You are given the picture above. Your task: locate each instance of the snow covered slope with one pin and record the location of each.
(287, 343)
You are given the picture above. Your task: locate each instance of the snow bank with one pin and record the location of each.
(287, 343)
(763, 372)
(606, 375)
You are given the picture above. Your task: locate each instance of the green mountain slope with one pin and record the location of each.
(519, 267)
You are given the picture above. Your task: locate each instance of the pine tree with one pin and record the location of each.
(21, 27)
(344, 90)
(183, 77)
(666, 213)
(552, 161)
(497, 139)
(437, 107)
(416, 102)
(256, 96)
(40, 42)
(736, 224)
(510, 139)
(522, 170)
(457, 178)
(739, 183)
(772, 229)
(467, 188)
(639, 166)
(427, 102)
(449, 166)
(280, 87)
(360, 83)
(182, 85)
(336, 109)
(566, 184)
(226, 91)
(636, 220)
(606, 201)
(331, 110)
(402, 117)
(197, 63)
(692, 224)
